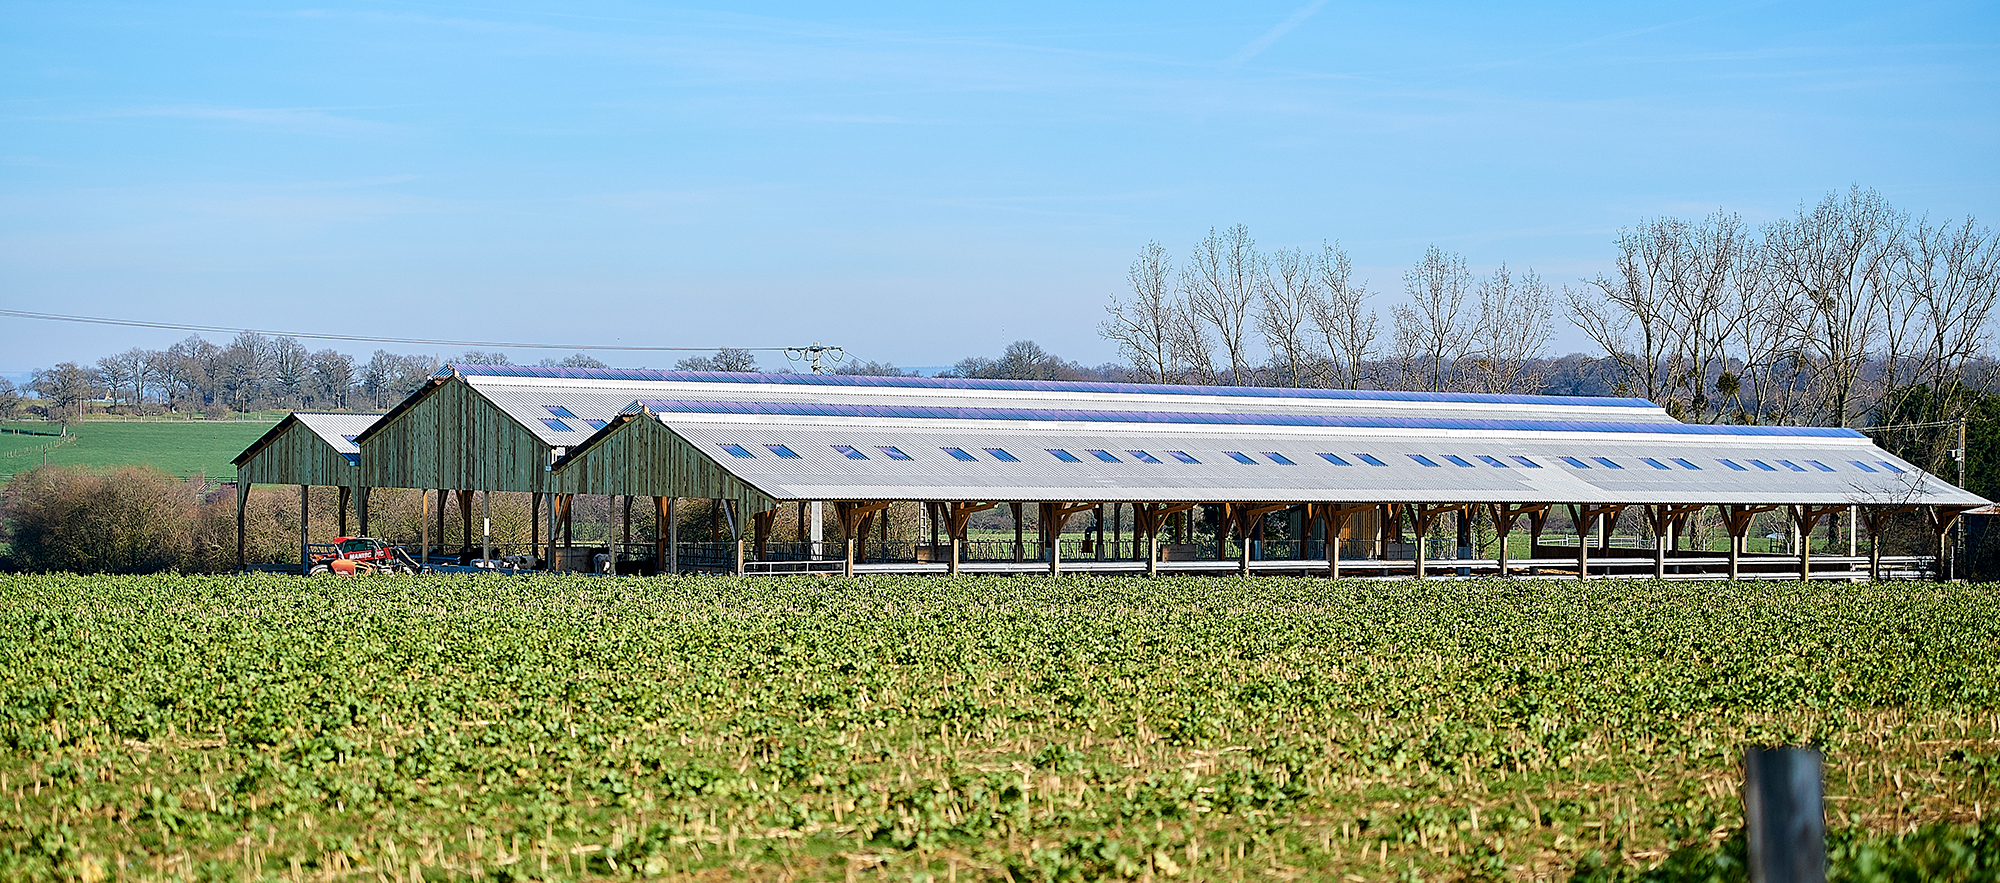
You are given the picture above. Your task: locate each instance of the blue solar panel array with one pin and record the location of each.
(857, 380)
(933, 412)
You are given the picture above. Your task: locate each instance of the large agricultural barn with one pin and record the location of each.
(1369, 471)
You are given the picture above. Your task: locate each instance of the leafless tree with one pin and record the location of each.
(481, 357)
(332, 378)
(1835, 256)
(291, 368)
(1221, 282)
(1952, 272)
(1699, 260)
(1511, 332)
(1628, 314)
(67, 388)
(1341, 316)
(1766, 341)
(1144, 329)
(1290, 292)
(1433, 330)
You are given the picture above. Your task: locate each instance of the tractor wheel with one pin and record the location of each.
(319, 570)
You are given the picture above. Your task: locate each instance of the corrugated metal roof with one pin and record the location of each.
(821, 472)
(339, 430)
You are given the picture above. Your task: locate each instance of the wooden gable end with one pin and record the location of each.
(453, 437)
(293, 454)
(639, 455)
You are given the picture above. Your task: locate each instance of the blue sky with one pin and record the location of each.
(915, 182)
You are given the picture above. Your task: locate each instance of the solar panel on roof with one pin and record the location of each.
(1457, 460)
(1764, 466)
(1820, 466)
(1607, 463)
(1492, 461)
(739, 451)
(1353, 421)
(1732, 464)
(1575, 462)
(1239, 457)
(1063, 455)
(783, 452)
(1184, 457)
(1862, 466)
(1685, 463)
(1425, 460)
(1891, 467)
(1334, 459)
(1002, 455)
(1279, 459)
(560, 411)
(1792, 466)
(597, 424)
(556, 425)
(1654, 463)
(1525, 462)
(960, 454)
(1106, 456)
(1143, 457)
(850, 452)
(1370, 460)
(893, 452)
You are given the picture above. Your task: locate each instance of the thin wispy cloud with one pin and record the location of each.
(303, 121)
(1251, 49)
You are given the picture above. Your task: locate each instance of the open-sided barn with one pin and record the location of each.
(1357, 468)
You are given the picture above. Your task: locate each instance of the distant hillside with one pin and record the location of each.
(194, 447)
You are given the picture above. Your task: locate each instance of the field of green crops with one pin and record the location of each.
(402, 729)
(181, 447)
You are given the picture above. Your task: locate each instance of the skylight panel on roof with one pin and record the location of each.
(1001, 455)
(1425, 460)
(1732, 464)
(852, 454)
(1820, 466)
(560, 411)
(1183, 457)
(1370, 460)
(1106, 456)
(893, 452)
(596, 424)
(1525, 462)
(1575, 462)
(1334, 459)
(1686, 464)
(1278, 458)
(1764, 466)
(960, 454)
(1891, 467)
(556, 425)
(1792, 466)
(1607, 462)
(1240, 457)
(1143, 457)
(1063, 455)
(1457, 460)
(1494, 462)
(784, 453)
(739, 451)
(1862, 466)
(1654, 463)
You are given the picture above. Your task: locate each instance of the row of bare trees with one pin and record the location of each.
(1833, 315)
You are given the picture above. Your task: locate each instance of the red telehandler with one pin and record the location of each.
(360, 556)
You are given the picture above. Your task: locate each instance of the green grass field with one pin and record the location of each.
(194, 447)
(910, 728)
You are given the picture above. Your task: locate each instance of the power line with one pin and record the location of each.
(360, 338)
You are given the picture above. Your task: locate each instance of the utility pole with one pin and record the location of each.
(1958, 525)
(815, 354)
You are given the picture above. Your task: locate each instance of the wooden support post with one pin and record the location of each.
(628, 519)
(952, 568)
(535, 523)
(1538, 517)
(848, 568)
(424, 519)
(1877, 518)
(305, 549)
(1578, 517)
(242, 498)
(761, 525)
(1804, 517)
(465, 535)
(361, 495)
(443, 500)
(1942, 519)
(673, 536)
(1017, 532)
(346, 499)
(550, 560)
(486, 527)
(659, 535)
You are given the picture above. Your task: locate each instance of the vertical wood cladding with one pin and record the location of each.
(452, 437)
(293, 454)
(639, 455)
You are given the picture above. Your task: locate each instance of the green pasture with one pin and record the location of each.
(186, 448)
(987, 728)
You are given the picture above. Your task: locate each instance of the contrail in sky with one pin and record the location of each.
(1262, 43)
